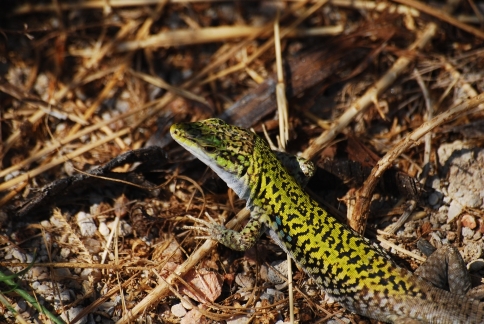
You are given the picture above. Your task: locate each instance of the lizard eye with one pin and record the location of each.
(210, 149)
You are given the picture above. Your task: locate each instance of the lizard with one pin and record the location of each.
(359, 275)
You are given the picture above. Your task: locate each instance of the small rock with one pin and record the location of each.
(446, 227)
(471, 200)
(194, 316)
(467, 233)
(63, 272)
(446, 149)
(72, 313)
(477, 236)
(65, 252)
(241, 319)
(435, 183)
(86, 224)
(45, 224)
(39, 273)
(435, 198)
(178, 310)
(103, 229)
(278, 272)
(268, 297)
(44, 290)
(476, 265)
(481, 225)
(124, 228)
(92, 245)
(277, 295)
(455, 209)
(86, 274)
(472, 251)
(339, 319)
(21, 306)
(108, 307)
(244, 280)
(65, 296)
(207, 285)
(451, 236)
(22, 257)
(469, 221)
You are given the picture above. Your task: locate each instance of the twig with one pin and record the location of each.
(442, 16)
(95, 4)
(428, 137)
(281, 90)
(56, 161)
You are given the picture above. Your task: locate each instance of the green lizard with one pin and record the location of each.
(357, 274)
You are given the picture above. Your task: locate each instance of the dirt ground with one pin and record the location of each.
(384, 97)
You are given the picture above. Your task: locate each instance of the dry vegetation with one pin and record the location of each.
(83, 82)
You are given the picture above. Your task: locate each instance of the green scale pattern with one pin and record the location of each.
(359, 275)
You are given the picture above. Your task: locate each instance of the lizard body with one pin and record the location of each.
(356, 273)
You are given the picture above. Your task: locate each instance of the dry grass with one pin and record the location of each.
(82, 83)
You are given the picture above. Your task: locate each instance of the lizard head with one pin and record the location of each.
(226, 149)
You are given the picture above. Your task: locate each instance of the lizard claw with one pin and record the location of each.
(211, 228)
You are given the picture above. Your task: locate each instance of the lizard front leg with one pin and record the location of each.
(239, 241)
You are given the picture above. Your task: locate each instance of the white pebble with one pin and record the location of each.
(72, 313)
(86, 224)
(178, 310)
(103, 229)
(455, 209)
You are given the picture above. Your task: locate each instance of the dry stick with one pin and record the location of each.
(160, 83)
(370, 95)
(398, 247)
(189, 37)
(162, 289)
(212, 34)
(61, 159)
(361, 210)
(429, 104)
(442, 16)
(96, 4)
(374, 5)
(11, 194)
(280, 89)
